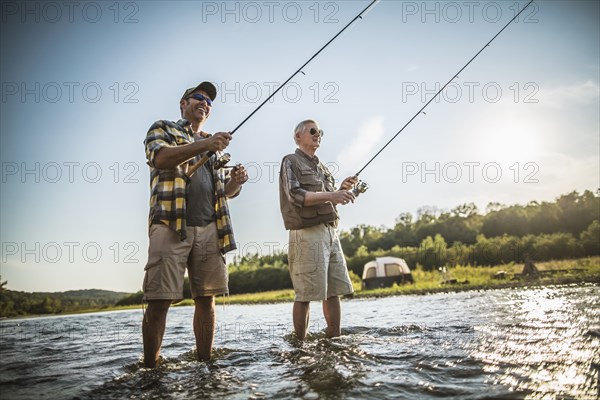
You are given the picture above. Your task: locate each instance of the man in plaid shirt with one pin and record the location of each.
(189, 224)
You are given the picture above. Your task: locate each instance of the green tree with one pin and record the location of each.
(556, 246)
(543, 218)
(465, 210)
(433, 252)
(508, 221)
(590, 239)
(135, 298)
(578, 211)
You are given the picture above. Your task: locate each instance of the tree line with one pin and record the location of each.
(572, 213)
(566, 228)
(14, 303)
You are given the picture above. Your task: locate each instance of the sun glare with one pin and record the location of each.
(512, 140)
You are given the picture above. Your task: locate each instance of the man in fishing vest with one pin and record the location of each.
(308, 200)
(189, 225)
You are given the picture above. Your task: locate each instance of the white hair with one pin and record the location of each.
(300, 127)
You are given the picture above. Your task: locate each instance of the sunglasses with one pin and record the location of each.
(314, 131)
(199, 97)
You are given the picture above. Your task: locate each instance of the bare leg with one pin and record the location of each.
(204, 326)
(153, 330)
(301, 316)
(332, 310)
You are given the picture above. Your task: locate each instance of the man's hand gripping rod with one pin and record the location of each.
(207, 156)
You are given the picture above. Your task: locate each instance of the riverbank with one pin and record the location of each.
(563, 272)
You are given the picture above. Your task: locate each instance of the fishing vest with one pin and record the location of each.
(313, 177)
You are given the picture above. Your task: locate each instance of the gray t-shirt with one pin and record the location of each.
(201, 197)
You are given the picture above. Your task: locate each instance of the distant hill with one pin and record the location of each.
(98, 293)
(15, 303)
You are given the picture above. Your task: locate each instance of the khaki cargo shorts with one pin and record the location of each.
(317, 265)
(169, 257)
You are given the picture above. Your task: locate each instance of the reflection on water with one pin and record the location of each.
(548, 328)
(506, 344)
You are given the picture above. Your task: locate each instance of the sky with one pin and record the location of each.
(83, 81)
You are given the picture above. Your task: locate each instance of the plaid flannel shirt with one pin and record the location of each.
(168, 187)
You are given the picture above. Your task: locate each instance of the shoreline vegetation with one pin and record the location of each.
(468, 278)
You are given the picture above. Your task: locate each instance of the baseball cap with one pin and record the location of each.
(206, 87)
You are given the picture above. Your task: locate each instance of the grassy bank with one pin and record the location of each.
(584, 270)
(275, 296)
(468, 277)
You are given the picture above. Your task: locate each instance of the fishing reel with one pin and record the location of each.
(222, 161)
(360, 187)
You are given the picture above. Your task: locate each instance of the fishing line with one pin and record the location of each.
(205, 158)
(362, 186)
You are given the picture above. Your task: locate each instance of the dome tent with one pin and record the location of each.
(384, 272)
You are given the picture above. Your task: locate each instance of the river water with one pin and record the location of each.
(538, 343)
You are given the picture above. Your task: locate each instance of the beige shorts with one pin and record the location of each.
(317, 265)
(169, 257)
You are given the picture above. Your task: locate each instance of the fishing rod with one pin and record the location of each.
(222, 162)
(361, 186)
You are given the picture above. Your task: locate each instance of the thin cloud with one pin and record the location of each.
(364, 144)
(561, 97)
(561, 173)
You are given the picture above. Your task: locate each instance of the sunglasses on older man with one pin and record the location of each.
(314, 131)
(199, 97)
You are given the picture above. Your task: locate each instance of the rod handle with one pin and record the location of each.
(200, 163)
